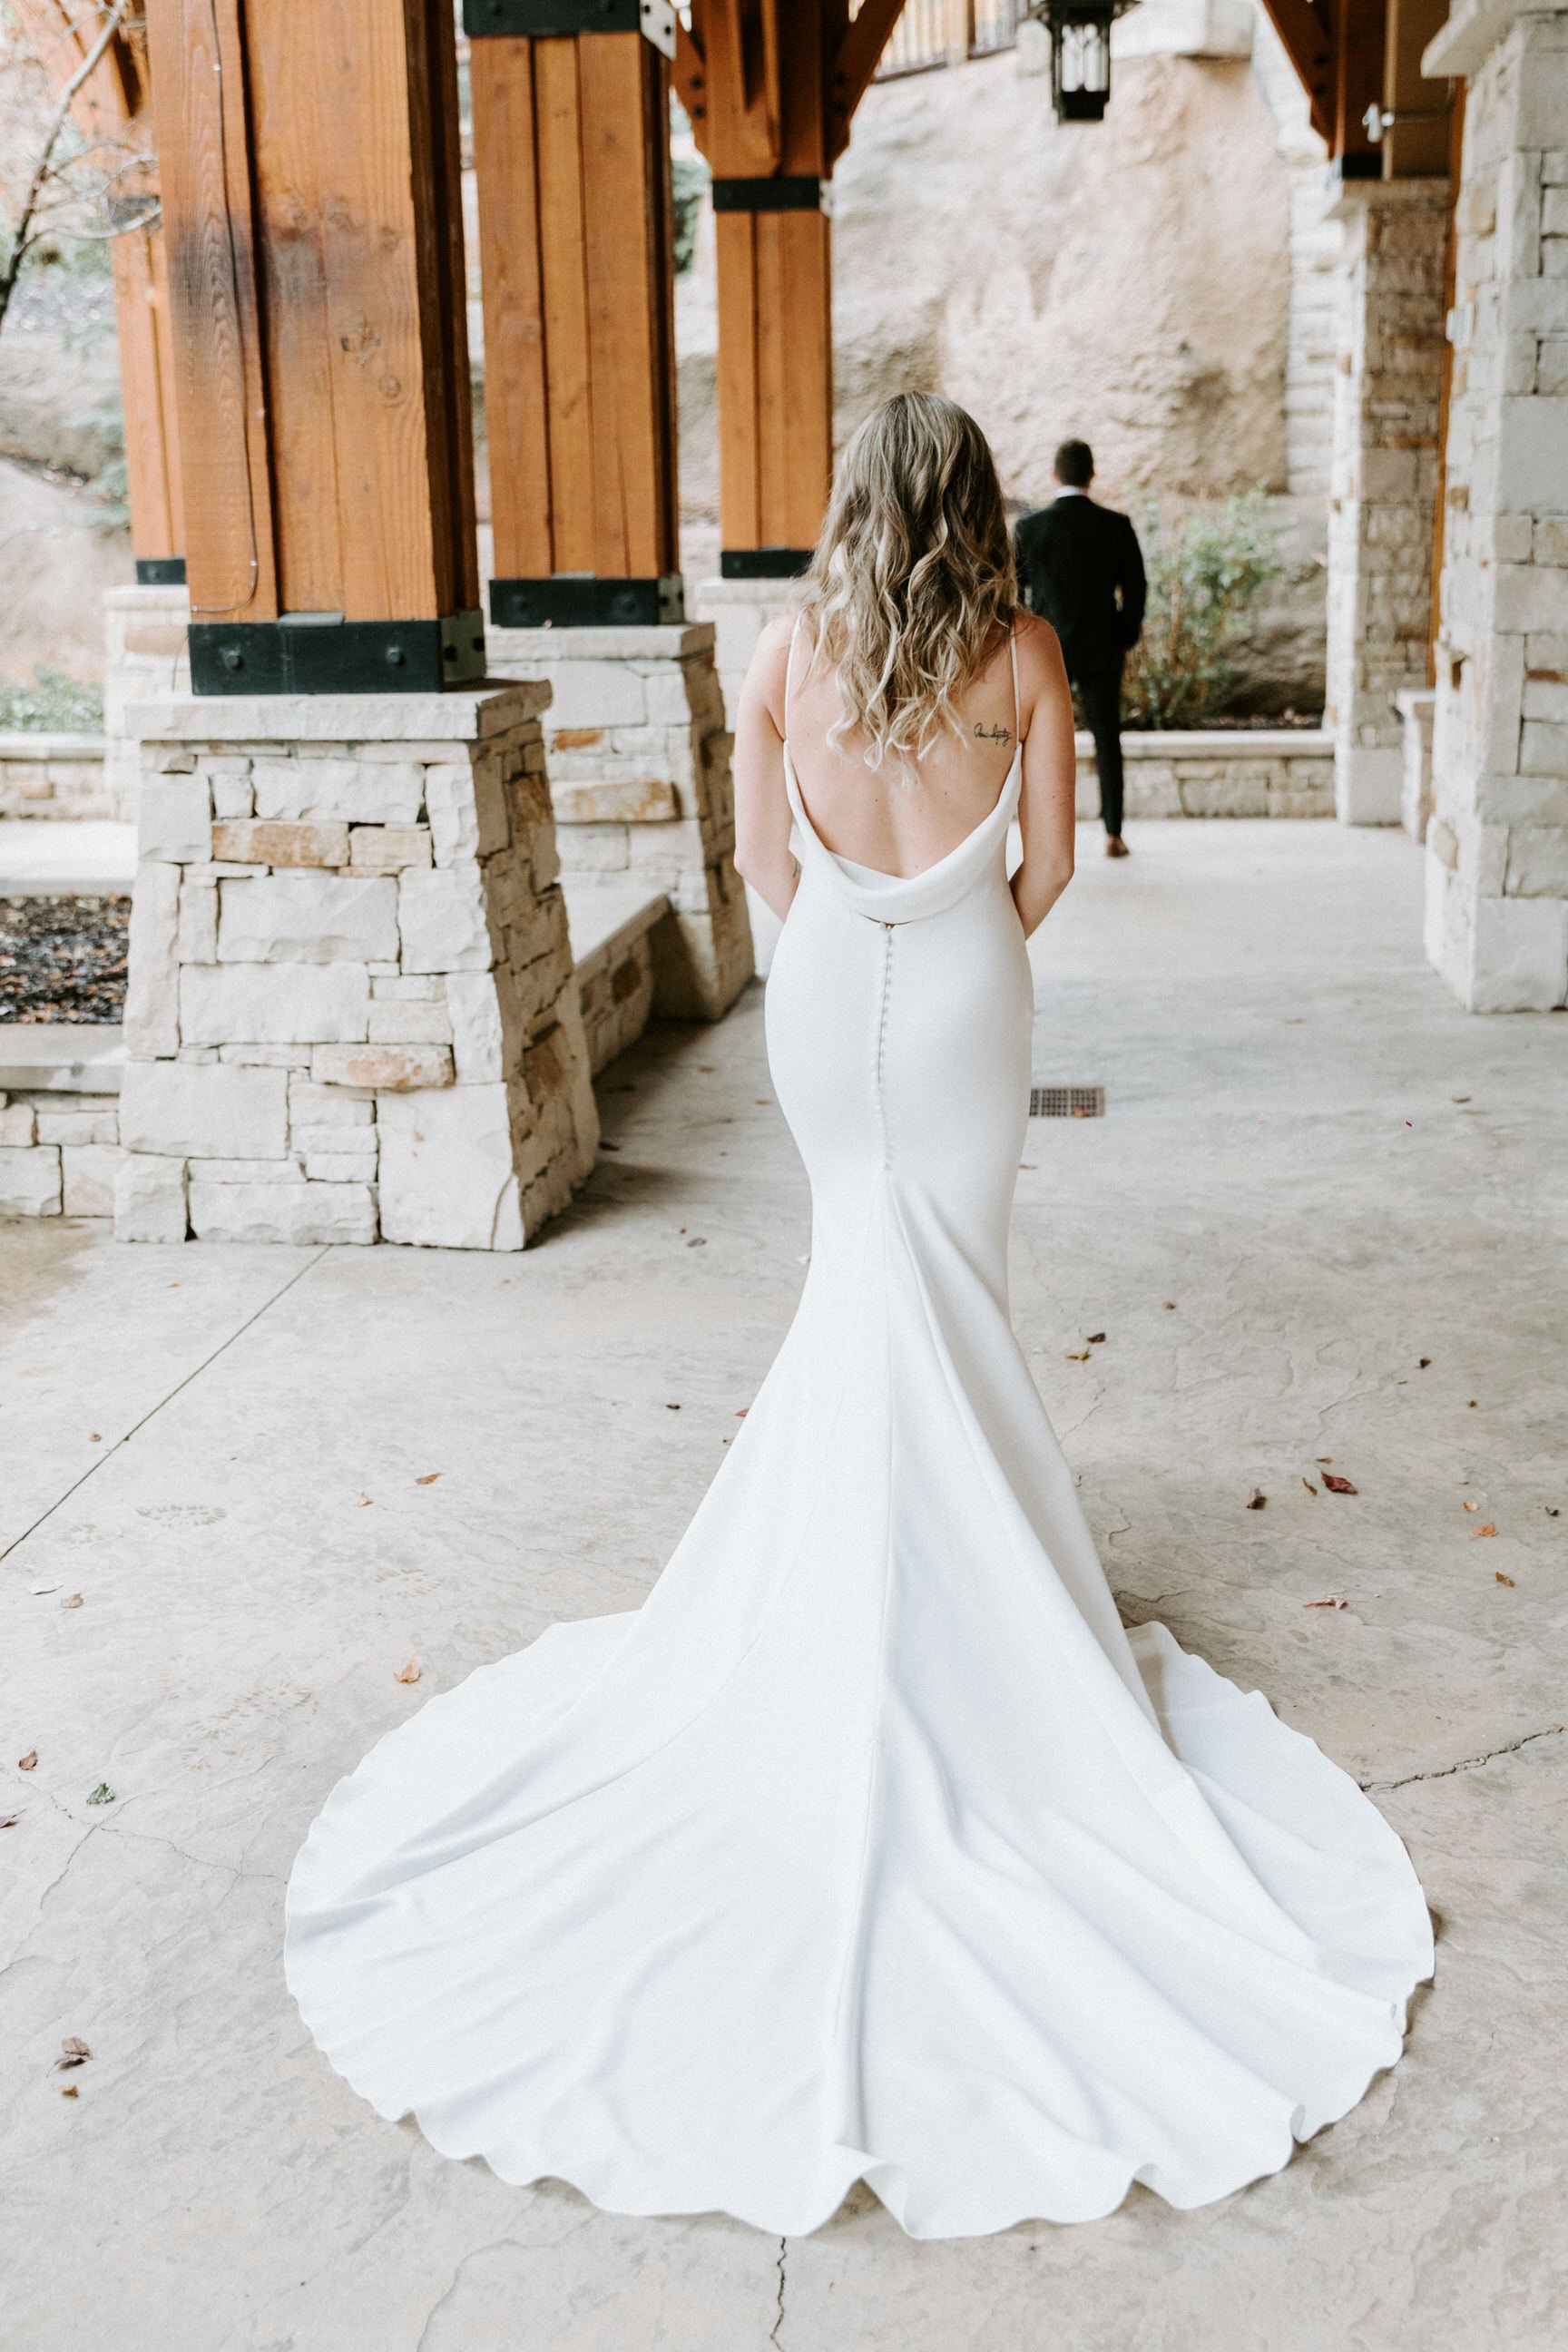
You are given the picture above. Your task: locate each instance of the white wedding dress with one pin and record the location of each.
(870, 1847)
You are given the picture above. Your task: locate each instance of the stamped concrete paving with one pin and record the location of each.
(222, 1450)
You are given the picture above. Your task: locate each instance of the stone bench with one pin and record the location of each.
(60, 1117)
(55, 775)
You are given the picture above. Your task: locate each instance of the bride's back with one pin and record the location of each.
(903, 815)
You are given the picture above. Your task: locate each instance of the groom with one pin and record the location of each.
(1081, 568)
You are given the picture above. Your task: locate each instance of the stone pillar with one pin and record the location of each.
(351, 1014)
(1382, 490)
(1417, 705)
(147, 660)
(1496, 862)
(740, 611)
(639, 772)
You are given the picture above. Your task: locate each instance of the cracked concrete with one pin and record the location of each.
(186, 1436)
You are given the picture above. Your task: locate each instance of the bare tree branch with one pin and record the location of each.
(24, 237)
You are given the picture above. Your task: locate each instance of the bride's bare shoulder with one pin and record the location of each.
(769, 665)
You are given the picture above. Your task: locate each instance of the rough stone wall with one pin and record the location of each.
(639, 772)
(1497, 906)
(1383, 505)
(55, 775)
(352, 1013)
(147, 660)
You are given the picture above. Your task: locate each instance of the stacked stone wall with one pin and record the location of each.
(1497, 842)
(352, 1013)
(1382, 502)
(55, 776)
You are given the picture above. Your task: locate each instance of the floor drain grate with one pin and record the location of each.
(1066, 1102)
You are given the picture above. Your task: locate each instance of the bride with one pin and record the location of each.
(871, 1847)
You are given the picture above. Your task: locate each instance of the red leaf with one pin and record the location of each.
(1329, 1601)
(1256, 1500)
(1336, 1484)
(26, 1763)
(1489, 1530)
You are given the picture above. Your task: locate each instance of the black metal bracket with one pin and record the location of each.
(801, 194)
(312, 655)
(583, 600)
(543, 20)
(763, 562)
(160, 572)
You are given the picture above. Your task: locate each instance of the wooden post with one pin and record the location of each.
(1417, 129)
(1359, 35)
(114, 106)
(577, 239)
(311, 200)
(763, 112)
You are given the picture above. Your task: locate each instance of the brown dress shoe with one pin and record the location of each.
(1115, 846)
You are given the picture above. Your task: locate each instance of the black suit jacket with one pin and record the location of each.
(1081, 568)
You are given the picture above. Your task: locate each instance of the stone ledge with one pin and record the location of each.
(456, 717)
(19, 744)
(1220, 743)
(671, 640)
(61, 1057)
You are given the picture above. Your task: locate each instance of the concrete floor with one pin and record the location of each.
(1330, 1173)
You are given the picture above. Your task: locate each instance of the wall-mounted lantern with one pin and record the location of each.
(1080, 54)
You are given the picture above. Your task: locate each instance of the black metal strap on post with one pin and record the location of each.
(322, 653)
(543, 20)
(763, 562)
(583, 600)
(802, 193)
(160, 572)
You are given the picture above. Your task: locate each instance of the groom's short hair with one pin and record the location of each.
(1074, 465)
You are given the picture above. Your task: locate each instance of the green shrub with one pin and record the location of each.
(688, 175)
(53, 705)
(1204, 571)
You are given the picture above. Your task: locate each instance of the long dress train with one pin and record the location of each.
(870, 1847)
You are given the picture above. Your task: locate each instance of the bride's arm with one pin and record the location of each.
(762, 820)
(1045, 807)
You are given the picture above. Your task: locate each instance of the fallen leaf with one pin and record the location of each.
(1501, 1577)
(1170, 1306)
(672, 1408)
(1474, 1401)
(1309, 1486)
(1256, 1500)
(697, 1241)
(1337, 1486)
(71, 1600)
(408, 1673)
(1488, 1529)
(1329, 1601)
(102, 1795)
(429, 1479)
(9, 1821)
(741, 1411)
(1552, 1510)
(1323, 1458)
(1458, 1098)
(1077, 1356)
(94, 1438)
(26, 1763)
(74, 2051)
(70, 2091)
(1031, 1164)
(1466, 1504)
(362, 1502)
(1422, 1362)
(1095, 1338)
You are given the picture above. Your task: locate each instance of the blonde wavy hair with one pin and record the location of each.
(913, 575)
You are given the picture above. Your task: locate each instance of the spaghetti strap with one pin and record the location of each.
(1012, 649)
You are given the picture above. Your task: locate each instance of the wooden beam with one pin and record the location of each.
(577, 229)
(854, 62)
(199, 101)
(1360, 27)
(311, 187)
(1307, 40)
(1416, 142)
